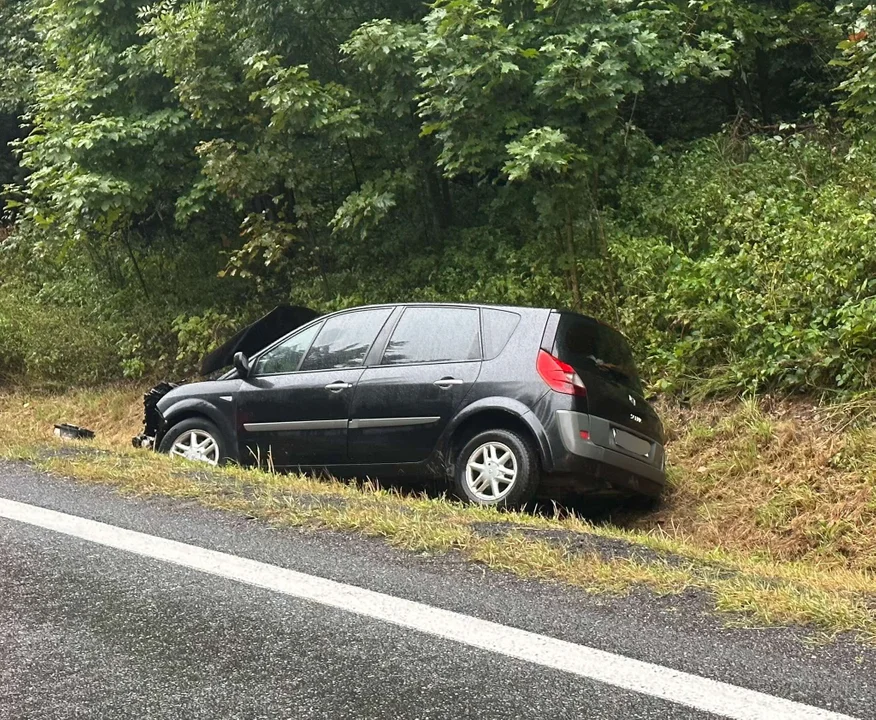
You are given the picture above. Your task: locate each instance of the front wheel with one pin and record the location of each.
(497, 467)
(195, 439)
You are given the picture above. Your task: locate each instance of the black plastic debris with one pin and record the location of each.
(73, 432)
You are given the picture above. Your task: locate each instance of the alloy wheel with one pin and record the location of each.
(197, 446)
(491, 471)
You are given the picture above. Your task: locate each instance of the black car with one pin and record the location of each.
(495, 399)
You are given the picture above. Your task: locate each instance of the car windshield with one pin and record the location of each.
(585, 343)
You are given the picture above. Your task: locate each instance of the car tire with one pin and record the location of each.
(193, 433)
(504, 455)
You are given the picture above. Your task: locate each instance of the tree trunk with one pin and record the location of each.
(603, 246)
(446, 201)
(126, 239)
(573, 260)
(353, 164)
(317, 255)
(439, 195)
(763, 84)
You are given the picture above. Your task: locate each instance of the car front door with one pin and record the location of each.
(295, 406)
(404, 403)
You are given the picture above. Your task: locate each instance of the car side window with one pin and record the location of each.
(499, 326)
(345, 340)
(435, 334)
(287, 356)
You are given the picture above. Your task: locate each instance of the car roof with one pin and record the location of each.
(495, 306)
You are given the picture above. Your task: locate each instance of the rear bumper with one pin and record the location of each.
(601, 455)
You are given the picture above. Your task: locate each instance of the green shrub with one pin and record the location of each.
(53, 345)
(198, 334)
(732, 265)
(752, 265)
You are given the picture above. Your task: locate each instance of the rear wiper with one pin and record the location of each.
(611, 369)
(603, 364)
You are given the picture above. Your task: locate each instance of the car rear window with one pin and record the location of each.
(587, 344)
(499, 326)
(435, 334)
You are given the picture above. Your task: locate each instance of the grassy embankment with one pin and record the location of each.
(770, 514)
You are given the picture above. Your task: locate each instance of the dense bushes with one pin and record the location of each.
(753, 264)
(734, 264)
(546, 153)
(72, 319)
(54, 345)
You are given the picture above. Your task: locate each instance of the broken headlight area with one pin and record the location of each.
(152, 419)
(277, 323)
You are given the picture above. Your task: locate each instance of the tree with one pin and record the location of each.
(536, 97)
(18, 48)
(859, 61)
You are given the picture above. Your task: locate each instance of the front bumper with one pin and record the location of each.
(152, 420)
(625, 470)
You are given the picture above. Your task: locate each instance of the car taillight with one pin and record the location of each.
(560, 377)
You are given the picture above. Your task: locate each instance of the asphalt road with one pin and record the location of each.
(92, 631)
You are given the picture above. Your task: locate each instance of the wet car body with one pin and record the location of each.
(397, 390)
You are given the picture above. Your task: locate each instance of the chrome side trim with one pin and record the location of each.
(299, 425)
(366, 423)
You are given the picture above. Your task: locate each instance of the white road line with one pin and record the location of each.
(623, 672)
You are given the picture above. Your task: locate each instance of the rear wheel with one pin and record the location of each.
(497, 467)
(195, 439)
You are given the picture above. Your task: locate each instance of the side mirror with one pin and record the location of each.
(241, 364)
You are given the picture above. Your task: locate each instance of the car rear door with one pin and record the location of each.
(295, 406)
(405, 401)
(602, 358)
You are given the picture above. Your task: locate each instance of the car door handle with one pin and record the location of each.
(448, 382)
(339, 386)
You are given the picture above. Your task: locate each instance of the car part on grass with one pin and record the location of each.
(65, 431)
(143, 442)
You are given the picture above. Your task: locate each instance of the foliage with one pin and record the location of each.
(677, 169)
(51, 344)
(197, 335)
(858, 55)
(753, 264)
(18, 48)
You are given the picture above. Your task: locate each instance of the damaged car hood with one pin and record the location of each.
(277, 323)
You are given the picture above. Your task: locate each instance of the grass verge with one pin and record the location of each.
(714, 535)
